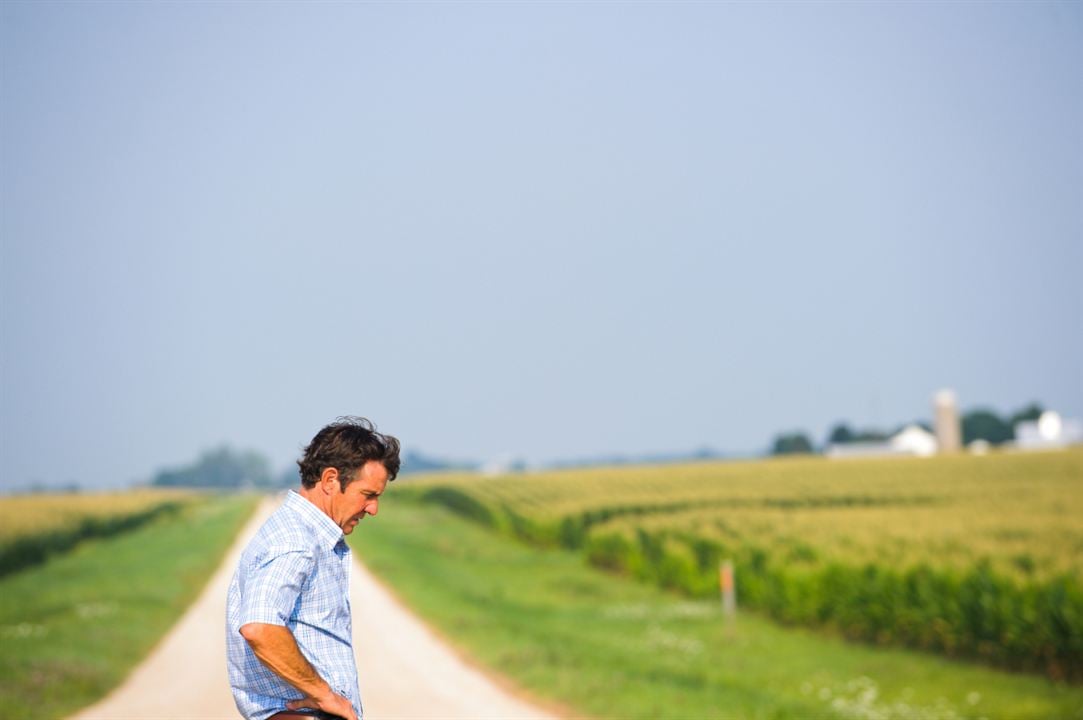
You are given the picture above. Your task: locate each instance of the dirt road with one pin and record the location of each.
(405, 671)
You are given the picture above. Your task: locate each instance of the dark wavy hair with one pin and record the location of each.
(346, 445)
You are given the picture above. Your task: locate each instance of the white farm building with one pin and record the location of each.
(912, 440)
(1049, 431)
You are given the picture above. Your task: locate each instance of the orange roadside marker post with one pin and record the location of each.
(729, 594)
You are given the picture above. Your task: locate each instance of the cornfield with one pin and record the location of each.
(32, 527)
(969, 556)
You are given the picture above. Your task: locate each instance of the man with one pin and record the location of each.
(288, 628)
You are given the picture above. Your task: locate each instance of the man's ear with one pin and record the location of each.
(329, 480)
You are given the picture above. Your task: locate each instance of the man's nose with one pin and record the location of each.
(374, 507)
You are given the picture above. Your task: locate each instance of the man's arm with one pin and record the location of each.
(276, 648)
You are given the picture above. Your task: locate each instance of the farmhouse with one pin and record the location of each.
(1049, 431)
(911, 440)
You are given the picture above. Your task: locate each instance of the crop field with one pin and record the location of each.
(601, 645)
(73, 625)
(967, 556)
(32, 527)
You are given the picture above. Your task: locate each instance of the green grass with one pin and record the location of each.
(72, 628)
(609, 647)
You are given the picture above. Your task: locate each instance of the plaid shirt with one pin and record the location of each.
(296, 573)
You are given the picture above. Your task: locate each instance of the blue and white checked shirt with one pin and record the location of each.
(294, 573)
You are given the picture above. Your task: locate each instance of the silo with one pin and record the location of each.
(946, 414)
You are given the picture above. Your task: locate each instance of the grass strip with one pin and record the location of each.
(72, 628)
(610, 647)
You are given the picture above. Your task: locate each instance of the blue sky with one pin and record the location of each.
(547, 230)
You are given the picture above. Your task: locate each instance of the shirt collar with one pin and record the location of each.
(324, 527)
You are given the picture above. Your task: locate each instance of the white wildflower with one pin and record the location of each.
(23, 631)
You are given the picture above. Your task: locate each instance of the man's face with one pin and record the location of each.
(362, 496)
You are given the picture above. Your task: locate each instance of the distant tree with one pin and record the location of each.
(704, 453)
(840, 435)
(870, 436)
(1029, 413)
(985, 425)
(415, 462)
(791, 444)
(289, 478)
(221, 468)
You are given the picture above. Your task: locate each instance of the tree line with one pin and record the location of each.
(225, 468)
(222, 468)
(978, 424)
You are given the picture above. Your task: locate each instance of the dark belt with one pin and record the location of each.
(303, 715)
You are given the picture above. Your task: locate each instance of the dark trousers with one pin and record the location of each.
(303, 715)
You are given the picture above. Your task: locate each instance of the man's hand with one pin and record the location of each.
(330, 703)
(276, 648)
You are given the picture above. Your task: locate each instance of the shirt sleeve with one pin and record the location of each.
(273, 586)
